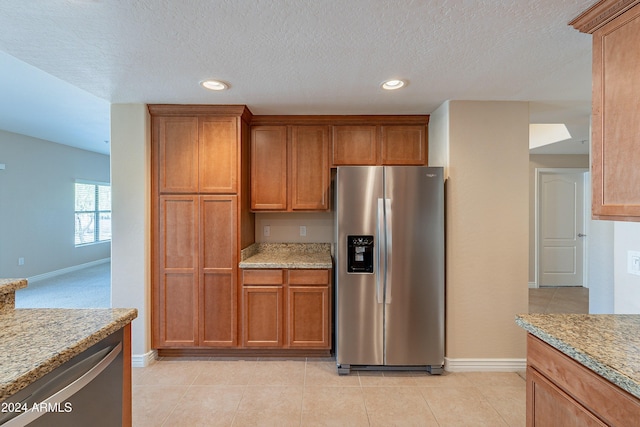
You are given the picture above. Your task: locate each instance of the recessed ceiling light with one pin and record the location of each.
(214, 85)
(393, 84)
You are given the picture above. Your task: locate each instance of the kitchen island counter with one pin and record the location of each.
(608, 345)
(33, 342)
(287, 255)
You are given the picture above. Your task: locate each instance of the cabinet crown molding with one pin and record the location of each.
(601, 13)
(415, 119)
(200, 110)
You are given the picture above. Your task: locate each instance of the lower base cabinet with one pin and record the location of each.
(286, 308)
(561, 392)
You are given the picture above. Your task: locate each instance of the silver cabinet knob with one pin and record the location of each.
(582, 235)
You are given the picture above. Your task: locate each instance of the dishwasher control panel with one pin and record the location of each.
(359, 254)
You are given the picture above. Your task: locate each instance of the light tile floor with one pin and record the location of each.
(559, 300)
(259, 392)
(301, 392)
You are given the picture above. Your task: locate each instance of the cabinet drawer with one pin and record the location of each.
(262, 277)
(308, 277)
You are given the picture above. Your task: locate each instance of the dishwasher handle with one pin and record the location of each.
(65, 393)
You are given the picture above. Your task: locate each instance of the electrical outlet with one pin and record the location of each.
(266, 231)
(21, 261)
(303, 230)
(633, 262)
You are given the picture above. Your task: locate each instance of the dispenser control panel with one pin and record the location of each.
(359, 254)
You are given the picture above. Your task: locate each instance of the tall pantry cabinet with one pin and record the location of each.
(201, 220)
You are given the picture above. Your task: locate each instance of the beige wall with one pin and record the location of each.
(285, 227)
(487, 226)
(546, 161)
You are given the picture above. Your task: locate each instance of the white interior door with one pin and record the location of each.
(561, 228)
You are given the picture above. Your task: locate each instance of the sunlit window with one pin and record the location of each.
(92, 213)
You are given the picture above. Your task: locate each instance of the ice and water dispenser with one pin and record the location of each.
(359, 254)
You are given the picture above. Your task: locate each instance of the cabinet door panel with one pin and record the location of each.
(403, 145)
(308, 316)
(178, 277)
(550, 406)
(269, 168)
(218, 271)
(310, 168)
(218, 155)
(263, 316)
(218, 313)
(178, 315)
(177, 144)
(354, 145)
(616, 118)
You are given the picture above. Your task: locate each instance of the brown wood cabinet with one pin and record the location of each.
(379, 145)
(562, 392)
(615, 26)
(176, 287)
(263, 308)
(308, 296)
(302, 320)
(200, 221)
(197, 154)
(355, 145)
(290, 168)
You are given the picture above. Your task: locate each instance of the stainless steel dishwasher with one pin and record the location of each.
(85, 391)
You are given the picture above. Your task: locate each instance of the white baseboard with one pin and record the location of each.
(66, 270)
(143, 360)
(533, 285)
(484, 365)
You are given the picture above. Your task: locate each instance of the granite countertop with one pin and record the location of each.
(607, 344)
(8, 288)
(11, 285)
(287, 255)
(33, 342)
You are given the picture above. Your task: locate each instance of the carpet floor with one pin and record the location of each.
(86, 288)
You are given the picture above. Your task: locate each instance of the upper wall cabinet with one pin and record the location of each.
(290, 168)
(355, 145)
(380, 144)
(615, 157)
(197, 154)
(269, 168)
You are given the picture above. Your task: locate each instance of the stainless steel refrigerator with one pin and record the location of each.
(389, 268)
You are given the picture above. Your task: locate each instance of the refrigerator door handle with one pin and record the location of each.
(379, 252)
(387, 260)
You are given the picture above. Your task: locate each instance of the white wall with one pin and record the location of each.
(627, 286)
(130, 260)
(37, 204)
(600, 272)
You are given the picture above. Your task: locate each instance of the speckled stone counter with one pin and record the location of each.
(8, 288)
(609, 345)
(33, 342)
(287, 255)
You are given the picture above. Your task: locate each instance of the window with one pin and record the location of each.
(93, 213)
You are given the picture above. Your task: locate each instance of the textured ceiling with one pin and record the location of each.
(285, 57)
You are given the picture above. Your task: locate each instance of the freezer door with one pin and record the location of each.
(414, 309)
(359, 294)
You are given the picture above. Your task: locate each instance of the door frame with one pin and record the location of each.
(586, 211)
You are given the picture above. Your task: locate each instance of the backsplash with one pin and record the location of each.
(284, 227)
